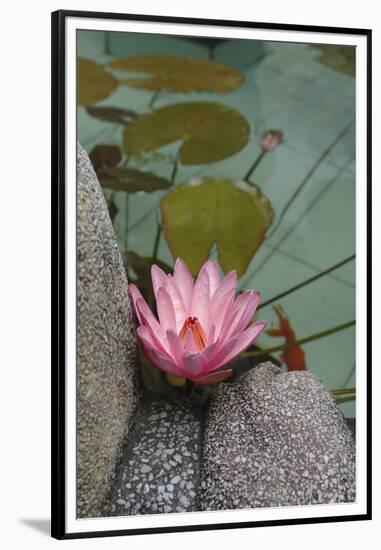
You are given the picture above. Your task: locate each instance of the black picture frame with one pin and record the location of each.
(58, 529)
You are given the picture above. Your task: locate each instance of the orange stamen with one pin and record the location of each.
(198, 333)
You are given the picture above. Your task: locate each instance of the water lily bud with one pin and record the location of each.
(271, 139)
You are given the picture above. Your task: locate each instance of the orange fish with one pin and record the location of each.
(293, 357)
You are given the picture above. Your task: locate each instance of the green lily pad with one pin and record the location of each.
(178, 74)
(234, 215)
(93, 82)
(208, 131)
(131, 180)
(116, 115)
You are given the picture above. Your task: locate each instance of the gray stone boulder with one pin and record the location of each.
(107, 382)
(275, 439)
(159, 470)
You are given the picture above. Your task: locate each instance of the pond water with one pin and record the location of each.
(309, 94)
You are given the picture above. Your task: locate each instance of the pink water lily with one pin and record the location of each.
(201, 326)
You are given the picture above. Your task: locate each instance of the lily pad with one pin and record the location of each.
(93, 82)
(116, 115)
(131, 180)
(209, 131)
(105, 154)
(234, 215)
(178, 74)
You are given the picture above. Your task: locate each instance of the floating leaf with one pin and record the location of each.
(231, 214)
(209, 131)
(179, 74)
(142, 159)
(115, 115)
(105, 155)
(338, 58)
(93, 82)
(131, 180)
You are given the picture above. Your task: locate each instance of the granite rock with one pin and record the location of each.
(159, 470)
(275, 439)
(107, 381)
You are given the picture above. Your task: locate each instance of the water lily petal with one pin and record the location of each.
(239, 314)
(241, 342)
(149, 321)
(216, 355)
(159, 278)
(159, 359)
(230, 320)
(184, 282)
(193, 364)
(248, 312)
(165, 310)
(222, 298)
(146, 317)
(212, 333)
(214, 377)
(176, 349)
(135, 295)
(200, 307)
(147, 336)
(188, 342)
(164, 363)
(214, 276)
(210, 353)
(177, 302)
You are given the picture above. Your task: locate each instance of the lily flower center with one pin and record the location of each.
(193, 325)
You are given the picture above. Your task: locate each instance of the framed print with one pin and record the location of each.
(211, 274)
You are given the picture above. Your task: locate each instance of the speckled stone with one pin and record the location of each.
(106, 346)
(275, 439)
(351, 423)
(159, 471)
